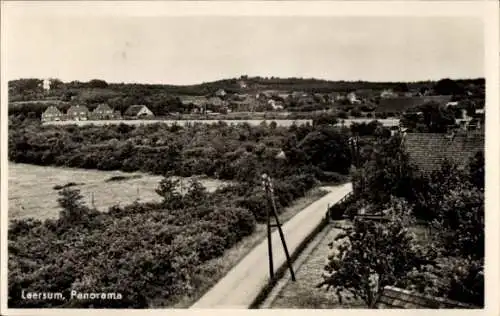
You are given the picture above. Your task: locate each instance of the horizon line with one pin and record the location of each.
(256, 76)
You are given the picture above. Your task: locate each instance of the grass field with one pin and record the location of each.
(32, 194)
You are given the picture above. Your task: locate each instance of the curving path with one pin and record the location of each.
(244, 282)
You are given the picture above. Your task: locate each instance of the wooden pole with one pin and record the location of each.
(282, 236)
(269, 245)
(272, 206)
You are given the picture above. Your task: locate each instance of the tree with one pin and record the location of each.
(327, 149)
(401, 87)
(476, 170)
(97, 83)
(460, 222)
(372, 255)
(168, 190)
(447, 87)
(436, 118)
(73, 211)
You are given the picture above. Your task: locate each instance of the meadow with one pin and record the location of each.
(32, 192)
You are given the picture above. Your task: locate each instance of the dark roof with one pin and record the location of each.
(393, 297)
(52, 110)
(427, 150)
(134, 109)
(401, 104)
(103, 107)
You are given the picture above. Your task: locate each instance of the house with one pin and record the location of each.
(220, 93)
(137, 111)
(242, 84)
(388, 94)
(77, 113)
(353, 99)
(276, 105)
(103, 112)
(46, 84)
(427, 151)
(215, 101)
(52, 114)
(397, 298)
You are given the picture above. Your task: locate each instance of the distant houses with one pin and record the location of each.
(104, 112)
(138, 111)
(52, 114)
(77, 113)
(80, 113)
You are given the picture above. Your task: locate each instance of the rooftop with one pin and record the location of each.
(428, 150)
(393, 297)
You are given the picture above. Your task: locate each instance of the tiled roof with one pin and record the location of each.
(427, 150)
(393, 297)
(52, 110)
(103, 107)
(134, 109)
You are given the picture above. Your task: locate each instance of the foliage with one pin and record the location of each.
(228, 152)
(372, 255)
(143, 251)
(450, 200)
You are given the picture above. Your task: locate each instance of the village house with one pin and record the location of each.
(103, 112)
(77, 113)
(138, 111)
(220, 93)
(388, 94)
(276, 105)
(353, 99)
(52, 114)
(428, 150)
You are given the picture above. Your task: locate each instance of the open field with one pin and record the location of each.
(180, 122)
(32, 193)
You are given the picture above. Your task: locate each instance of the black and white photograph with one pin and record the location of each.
(249, 155)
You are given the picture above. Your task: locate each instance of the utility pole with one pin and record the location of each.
(271, 210)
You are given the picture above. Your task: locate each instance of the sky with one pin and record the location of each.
(194, 49)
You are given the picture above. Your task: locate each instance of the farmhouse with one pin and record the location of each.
(276, 105)
(138, 111)
(51, 114)
(220, 93)
(77, 113)
(353, 98)
(428, 151)
(388, 94)
(103, 112)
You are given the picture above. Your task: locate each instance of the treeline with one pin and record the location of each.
(218, 150)
(153, 254)
(32, 89)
